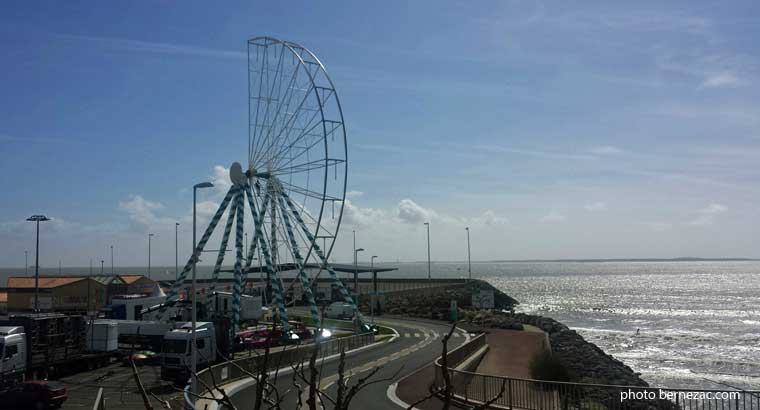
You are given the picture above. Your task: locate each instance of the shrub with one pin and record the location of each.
(546, 366)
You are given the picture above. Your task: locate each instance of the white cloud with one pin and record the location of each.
(714, 209)
(595, 206)
(221, 179)
(497, 149)
(142, 211)
(490, 218)
(151, 47)
(410, 212)
(354, 194)
(606, 150)
(708, 213)
(721, 79)
(553, 216)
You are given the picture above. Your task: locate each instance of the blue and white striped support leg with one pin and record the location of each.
(238, 288)
(304, 279)
(273, 276)
(220, 256)
(343, 291)
(173, 292)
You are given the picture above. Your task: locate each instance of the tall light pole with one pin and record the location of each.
(356, 272)
(26, 263)
(469, 261)
(150, 235)
(373, 299)
(176, 251)
(112, 270)
(102, 267)
(354, 231)
(193, 347)
(427, 224)
(37, 219)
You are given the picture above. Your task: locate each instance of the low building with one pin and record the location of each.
(71, 294)
(3, 303)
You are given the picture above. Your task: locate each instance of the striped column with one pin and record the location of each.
(273, 276)
(220, 255)
(321, 255)
(238, 288)
(198, 249)
(300, 262)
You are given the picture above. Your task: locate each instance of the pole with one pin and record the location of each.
(149, 236)
(59, 267)
(176, 251)
(193, 350)
(26, 263)
(427, 224)
(469, 261)
(112, 270)
(354, 231)
(37, 272)
(373, 298)
(102, 264)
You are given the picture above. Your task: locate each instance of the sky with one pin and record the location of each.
(551, 129)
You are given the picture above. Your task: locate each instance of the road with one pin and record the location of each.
(418, 344)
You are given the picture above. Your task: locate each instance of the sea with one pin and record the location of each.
(680, 324)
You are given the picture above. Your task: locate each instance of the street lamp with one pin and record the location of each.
(112, 270)
(176, 251)
(26, 263)
(37, 219)
(356, 271)
(193, 348)
(374, 289)
(469, 261)
(427, 224)
(150, 235)
(102, 265)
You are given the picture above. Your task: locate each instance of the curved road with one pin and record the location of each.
(418, 344)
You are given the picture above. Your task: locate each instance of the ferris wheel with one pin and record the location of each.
(294, 186)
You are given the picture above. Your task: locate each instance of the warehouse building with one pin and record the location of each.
(74, 294)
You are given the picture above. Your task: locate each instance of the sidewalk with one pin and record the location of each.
(510, 352)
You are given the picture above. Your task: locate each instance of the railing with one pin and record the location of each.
(242, 368)
(513, 393)
(100, 401)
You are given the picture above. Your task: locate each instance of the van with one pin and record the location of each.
(339, 310)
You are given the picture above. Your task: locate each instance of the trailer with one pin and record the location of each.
(142, 335)
(40, 345)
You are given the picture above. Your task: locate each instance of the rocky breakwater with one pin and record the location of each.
(435, 302)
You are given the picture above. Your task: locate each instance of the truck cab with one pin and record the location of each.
(176, 354)
(13, 353)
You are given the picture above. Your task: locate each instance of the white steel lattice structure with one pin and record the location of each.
(294, 187)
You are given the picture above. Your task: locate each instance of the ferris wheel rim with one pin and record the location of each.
(267, 41)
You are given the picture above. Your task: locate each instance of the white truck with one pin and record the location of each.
(139, 334)
(339, 310)
(36, 346)
(176, 355)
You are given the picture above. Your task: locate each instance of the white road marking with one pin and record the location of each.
(416, 335)
(407, 335)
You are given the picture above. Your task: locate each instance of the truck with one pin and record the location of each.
(38, 345)
(142, 335)
(176, 355)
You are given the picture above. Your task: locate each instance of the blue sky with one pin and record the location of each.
(554, 130)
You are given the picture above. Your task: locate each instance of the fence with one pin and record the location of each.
(242, 368)
(100, 401)
(513, 393)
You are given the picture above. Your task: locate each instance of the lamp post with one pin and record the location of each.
(194, 347)
(427, 224)
(112, 270)
(356, 271)
(37, 219)
(150, 235)
(102, 265)
(354, 232)
(374, 289)
(469, 261)
(176, 251)
(26, 263)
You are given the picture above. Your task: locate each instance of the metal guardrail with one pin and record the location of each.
(528, 394)
(242, 368)
(100, 401)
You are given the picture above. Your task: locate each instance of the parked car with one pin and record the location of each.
(37, 394)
